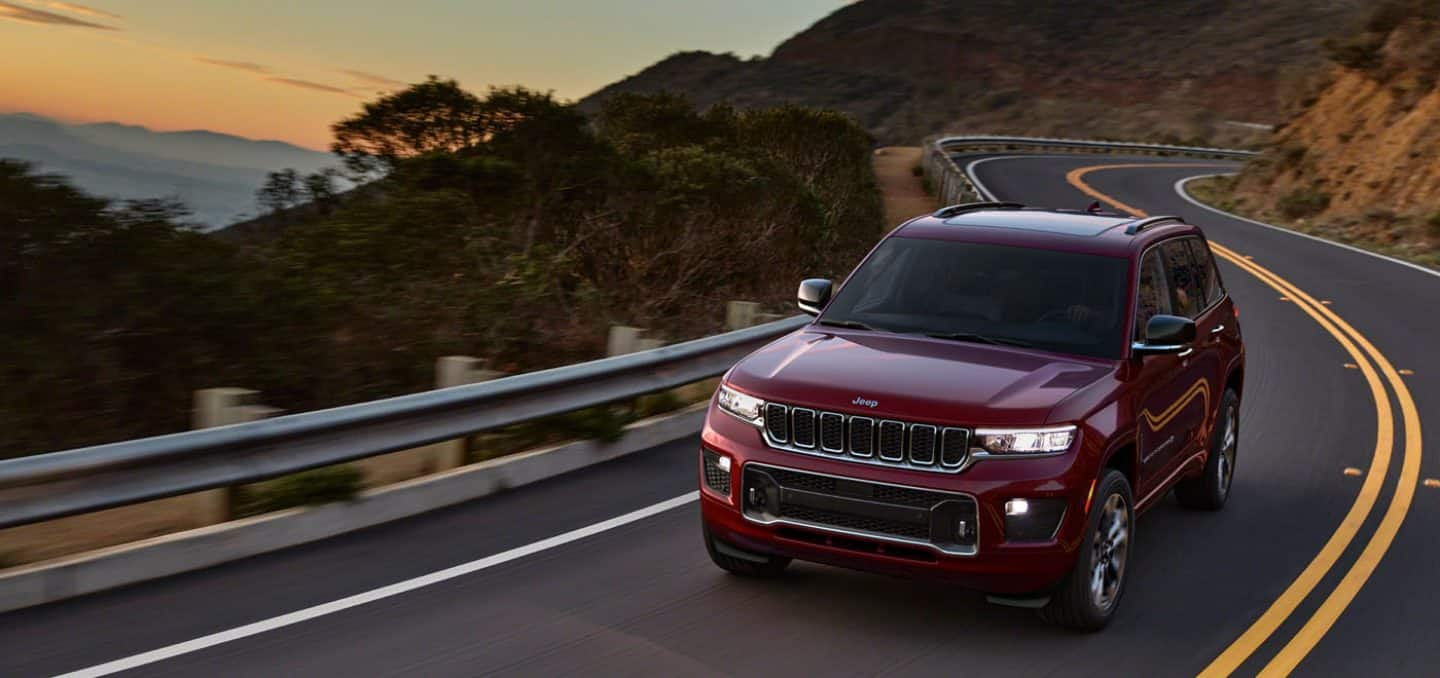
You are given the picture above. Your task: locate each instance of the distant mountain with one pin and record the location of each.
(905, 69)
(214, 174)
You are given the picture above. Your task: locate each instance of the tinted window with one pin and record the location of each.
(1058, 301)
(1152, 297)
(1187, 291)
(1210, 277)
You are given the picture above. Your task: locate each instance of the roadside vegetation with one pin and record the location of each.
(1359, 162)
(508, 226)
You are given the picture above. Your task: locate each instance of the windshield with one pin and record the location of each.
(1055, 301)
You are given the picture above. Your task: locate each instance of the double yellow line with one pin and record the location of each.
(1363, 353)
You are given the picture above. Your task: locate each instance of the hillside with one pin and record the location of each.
(215, 175)
(1138, 68)
(1360, 160)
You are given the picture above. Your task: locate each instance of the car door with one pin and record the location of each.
(1174, 392)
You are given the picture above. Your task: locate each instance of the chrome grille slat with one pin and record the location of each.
(892, 440)
(954, 447)
(802, 427)
(832, 432)
(777, 418)
(862, 437)
(922, 444)
(858, 438)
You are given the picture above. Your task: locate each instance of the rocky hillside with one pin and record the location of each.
(1131, 68)
(1367, 141)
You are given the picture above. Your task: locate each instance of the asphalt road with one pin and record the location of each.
(644, 599)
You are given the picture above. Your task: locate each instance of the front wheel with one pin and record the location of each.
(1087, 597)
(1209, 490)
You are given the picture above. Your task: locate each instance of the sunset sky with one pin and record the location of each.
(286, 69)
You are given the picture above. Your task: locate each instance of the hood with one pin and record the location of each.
(914, 378)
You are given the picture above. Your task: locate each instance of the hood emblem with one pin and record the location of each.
(860, 400)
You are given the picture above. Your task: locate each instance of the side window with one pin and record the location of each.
(1209, 275)
(1153, 296)
(1186, 284)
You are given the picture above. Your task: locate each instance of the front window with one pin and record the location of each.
(1054, 301)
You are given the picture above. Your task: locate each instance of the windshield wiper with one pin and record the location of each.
(980, 339)
(852, 324)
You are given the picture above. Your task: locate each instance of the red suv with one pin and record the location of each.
(990, 398)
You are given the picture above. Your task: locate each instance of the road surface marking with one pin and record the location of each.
(422, 581)
(1352, 471)
(1361, 570)
(1321, 621)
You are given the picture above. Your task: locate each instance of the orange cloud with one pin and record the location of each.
(311, 85)
(73, 8)
(247, 66)
(15, 12)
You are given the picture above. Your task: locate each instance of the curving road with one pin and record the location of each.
(639, 596)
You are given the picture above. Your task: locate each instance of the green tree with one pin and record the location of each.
(428, 117)
(281, 191)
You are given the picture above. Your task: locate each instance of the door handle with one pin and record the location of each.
(1218, 329)
(1185, 352)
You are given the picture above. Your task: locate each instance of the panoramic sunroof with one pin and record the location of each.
(1034, 220)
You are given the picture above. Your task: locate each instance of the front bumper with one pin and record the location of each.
(958, 534)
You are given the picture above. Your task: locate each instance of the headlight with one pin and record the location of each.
(741, 406)
(1025, 441)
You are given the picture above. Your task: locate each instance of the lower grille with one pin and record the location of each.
(943, 521)
(853, 522)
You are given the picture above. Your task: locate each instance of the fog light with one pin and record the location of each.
(723, 463)
(1034, 519)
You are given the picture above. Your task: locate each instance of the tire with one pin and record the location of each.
(755, 565)
(1088, 596)
(1209, 490)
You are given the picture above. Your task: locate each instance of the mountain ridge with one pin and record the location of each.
(1030, 67)
(213, 173)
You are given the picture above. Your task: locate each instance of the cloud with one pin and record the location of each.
(311, 85)
(15, 12)
(376, 80)
(247, 66)
(73, 8)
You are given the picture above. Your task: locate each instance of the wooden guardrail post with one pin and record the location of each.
(222, 407)
(456, 370)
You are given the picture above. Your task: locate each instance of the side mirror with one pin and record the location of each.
(1166, 334)
(813, 295)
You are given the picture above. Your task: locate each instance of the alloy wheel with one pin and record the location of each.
(1110, 548)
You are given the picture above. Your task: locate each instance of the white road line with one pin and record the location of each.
(1183, 193)
(298, 616)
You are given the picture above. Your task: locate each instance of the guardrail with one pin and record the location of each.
(953, 186)
(59, 484)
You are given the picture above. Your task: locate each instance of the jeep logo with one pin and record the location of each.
(860, 400)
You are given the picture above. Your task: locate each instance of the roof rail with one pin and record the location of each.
(1142, 224)
(947, 212)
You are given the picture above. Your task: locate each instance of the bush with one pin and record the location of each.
(917, 171)
(1433, 225)
(1303, 202)
(316, 486)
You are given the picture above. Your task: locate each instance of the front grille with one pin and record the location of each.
(715, 478)
(943, 521)
(914, 445)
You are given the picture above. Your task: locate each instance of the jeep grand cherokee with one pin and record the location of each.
(990, 398)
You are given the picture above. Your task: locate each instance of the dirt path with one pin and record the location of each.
(904, 193)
